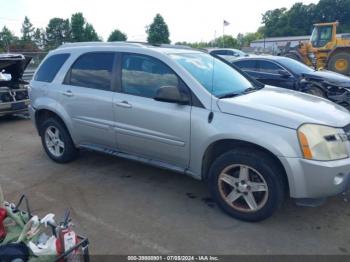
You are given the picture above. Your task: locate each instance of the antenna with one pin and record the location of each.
(211, 114)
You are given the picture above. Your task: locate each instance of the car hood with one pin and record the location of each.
(330, 77)
(14, 64)
(285, 108)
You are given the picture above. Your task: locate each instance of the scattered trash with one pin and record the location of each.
(25, 236)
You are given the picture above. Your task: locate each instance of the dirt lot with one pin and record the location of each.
(130, 208)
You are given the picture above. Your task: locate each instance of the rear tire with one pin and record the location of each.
(340, 63)
(247, 184)
(57, 141)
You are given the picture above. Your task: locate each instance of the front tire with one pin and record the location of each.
(57, 141)
(247, 184)
(340, 63)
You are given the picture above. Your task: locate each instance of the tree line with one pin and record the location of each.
(298, 20)
(75, 29)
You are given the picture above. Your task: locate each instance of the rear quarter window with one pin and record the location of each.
(50, 67)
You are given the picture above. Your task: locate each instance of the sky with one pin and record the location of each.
(188, 20)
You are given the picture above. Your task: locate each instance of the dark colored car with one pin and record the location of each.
(288, 73)
(13, 89)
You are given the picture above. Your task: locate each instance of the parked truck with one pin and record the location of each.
(325, 50)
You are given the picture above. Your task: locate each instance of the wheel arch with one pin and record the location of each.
(337, 50)
(44, 113)
(222, 146)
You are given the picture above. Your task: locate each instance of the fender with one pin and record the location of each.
(46, 103)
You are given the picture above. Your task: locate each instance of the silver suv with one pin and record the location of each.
(192, 113)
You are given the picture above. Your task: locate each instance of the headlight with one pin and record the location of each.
(322, 142)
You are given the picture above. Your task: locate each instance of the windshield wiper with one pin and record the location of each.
(246, 91)
(250, 89)
(229, 95)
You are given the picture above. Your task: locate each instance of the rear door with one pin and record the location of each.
(145, 127)
(87, 96)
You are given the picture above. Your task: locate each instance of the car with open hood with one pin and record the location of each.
(291, 74)
(13, 89)
(195, 114)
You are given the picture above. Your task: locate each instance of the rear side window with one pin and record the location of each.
(249, 65)
(219, 52)
(50, 67)
(92, 70)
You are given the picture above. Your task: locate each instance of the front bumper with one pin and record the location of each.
(8, 109)
(316, 179)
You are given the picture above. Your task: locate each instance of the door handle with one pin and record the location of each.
(124, 104)
(68, 93)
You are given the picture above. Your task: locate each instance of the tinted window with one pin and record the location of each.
(143, 76)
(246, 65)
(216, 76)
(321, 36)
(219, 52)
(50, 67)
(295, 66)
(92, 70)
(269, 67)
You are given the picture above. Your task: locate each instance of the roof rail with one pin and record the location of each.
(116, 43)
(186, 47)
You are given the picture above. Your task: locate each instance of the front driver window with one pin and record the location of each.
(269, 67)
(143, 75)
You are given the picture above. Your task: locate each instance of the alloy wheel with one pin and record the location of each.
(53, 141)
(243, 188)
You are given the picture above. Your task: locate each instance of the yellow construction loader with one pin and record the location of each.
(325, 50)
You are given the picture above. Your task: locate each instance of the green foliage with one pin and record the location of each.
(90, 33)
(299, 19)
(334, 10)
(7, 38)
(57, 32)
(246, 39)
(81, 31)
(39, 38)
(27, 30)
(158, 32)
(226, 41)
(117, 35)
(77, 27)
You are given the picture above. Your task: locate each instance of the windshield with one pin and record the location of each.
(217, 77)
(321, 36)
(295, 66)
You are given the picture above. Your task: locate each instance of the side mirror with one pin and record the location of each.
(284, 73)
(171, 94)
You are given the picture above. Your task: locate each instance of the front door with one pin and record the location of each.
(145, 127)
(271, 73)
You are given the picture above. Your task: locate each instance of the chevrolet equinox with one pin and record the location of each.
(193, 113)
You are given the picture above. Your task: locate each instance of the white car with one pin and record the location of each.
(228, 54)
